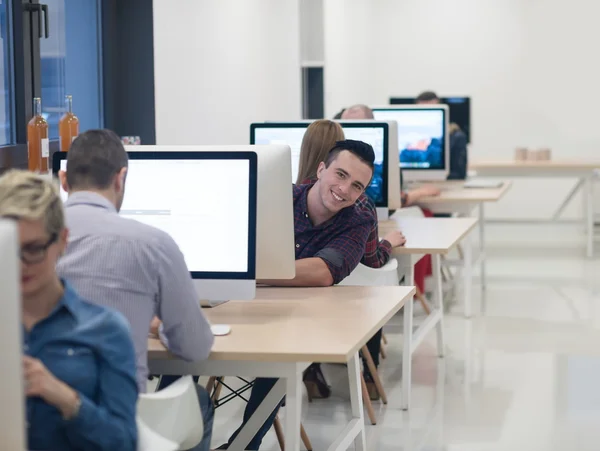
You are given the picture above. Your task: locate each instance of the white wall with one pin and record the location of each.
(221, 64)
(528, 65)
(311, 32)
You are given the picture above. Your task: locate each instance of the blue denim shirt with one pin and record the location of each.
(89, 348)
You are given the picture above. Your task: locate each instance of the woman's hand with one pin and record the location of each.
(414, 196)
(40, 382)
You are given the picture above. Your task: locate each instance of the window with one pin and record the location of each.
(70, 63)
(6, 90)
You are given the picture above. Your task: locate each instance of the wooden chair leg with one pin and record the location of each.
(382, 347)
(217, 391)
(374, 374)
(367, 401)
(305, 439)
(423, 301)
(211, 384)
(281, 436)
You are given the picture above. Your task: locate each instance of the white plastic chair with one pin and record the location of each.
(363, 276)
(409, 212)
(148, 440)
(173, 414)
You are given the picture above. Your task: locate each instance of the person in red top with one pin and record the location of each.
(330, 233)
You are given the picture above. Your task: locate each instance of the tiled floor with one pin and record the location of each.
(526, 376)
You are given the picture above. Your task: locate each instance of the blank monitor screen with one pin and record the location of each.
(421, 136)
(190, 196)
(459, 110)
(292, 134)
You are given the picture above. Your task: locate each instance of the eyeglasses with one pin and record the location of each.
(36, 253)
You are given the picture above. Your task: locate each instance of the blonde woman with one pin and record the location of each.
(78, 358)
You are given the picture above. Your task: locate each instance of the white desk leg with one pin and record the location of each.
(293, 404)
(482, 247)
(360, 442)
(260, 416)
(468, 275)
(589, 215)
(408, 335)
(438, 300)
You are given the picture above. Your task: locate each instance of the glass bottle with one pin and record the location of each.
(38, 146)
(68, 126)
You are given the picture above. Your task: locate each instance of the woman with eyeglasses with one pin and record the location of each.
(78, 358)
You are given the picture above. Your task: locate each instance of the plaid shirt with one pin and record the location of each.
(339, 242)
(377, 253)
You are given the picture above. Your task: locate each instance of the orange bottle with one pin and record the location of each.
(68, 126)
(38, 146)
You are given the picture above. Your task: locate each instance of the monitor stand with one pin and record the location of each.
(383, 214)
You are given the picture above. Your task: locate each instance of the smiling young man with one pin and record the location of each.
(330, 235)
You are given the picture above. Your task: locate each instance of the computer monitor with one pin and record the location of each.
(459, 110)
(275, 251)
(423, 139)
(384, 189)
(206, 201)
(12, 392)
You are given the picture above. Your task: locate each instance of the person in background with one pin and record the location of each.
(79, 360)
(408, 197)
(330, 232)
(319, 138)
(423, 267)
(458, 140)
(127, 265)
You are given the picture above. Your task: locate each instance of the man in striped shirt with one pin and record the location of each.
(129, 266)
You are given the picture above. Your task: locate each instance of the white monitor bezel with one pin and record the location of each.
(424, 174)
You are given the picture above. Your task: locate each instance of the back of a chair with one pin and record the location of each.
(148, 440)
(364, 276)
(409, 212)
(174, 413)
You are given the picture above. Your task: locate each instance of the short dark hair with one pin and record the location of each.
(339, 115)
(94, 158)
(360, 149)
(427, 96)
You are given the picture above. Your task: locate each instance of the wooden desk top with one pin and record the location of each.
(300, 324)
(428, 235)
(458, 194)
(536, 165)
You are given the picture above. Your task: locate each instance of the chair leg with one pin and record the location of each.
(374, 374)
(217, 391)
(367, 400)
(281, 436)
(211, 383)
(305, 439)
(382, 347)
(423, 301)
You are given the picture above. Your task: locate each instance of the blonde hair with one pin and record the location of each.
(319, 139)
(25, 195)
